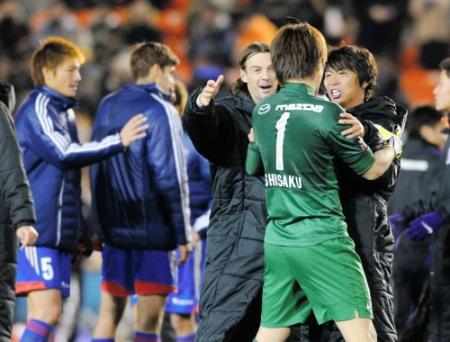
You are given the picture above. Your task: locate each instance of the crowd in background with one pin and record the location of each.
(407, 37)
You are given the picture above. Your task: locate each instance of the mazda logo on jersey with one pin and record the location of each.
(264, 109)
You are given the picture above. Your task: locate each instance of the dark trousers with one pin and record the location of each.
(410, 272)
(246, 329)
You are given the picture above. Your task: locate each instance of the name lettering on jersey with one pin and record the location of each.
(264, 109)
(299, 106)
(283, 181)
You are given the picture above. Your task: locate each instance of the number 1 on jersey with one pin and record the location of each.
(281, 127)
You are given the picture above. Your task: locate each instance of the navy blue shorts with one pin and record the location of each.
(143, 272)
(41, 268)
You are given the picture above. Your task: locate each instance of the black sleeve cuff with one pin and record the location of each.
(192, 104)
(23, 223)
(371, 136)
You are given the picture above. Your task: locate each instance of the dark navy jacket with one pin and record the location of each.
(16, 208)
(53, 157)
(419, 170)
(140, 199)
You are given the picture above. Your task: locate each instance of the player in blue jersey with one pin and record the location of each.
(53, 158)
(141, 198)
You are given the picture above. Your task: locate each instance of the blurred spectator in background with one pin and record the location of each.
(429, 217)
(15, 44)
(418, 167)
(310, 11)
(336, 26)
(380, 25)
(58, 20)
(210, 36)
(418, 177)
(218, 32)
(14, 31)
(139, 27)
(252, 27)
(431, 30)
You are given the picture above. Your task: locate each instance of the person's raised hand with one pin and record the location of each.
(209, 92)
(356, 129)
(134, 129)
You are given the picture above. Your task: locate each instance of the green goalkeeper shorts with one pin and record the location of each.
(326, 278)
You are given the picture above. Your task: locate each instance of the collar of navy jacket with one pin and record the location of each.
(152, 88)
(61, 102)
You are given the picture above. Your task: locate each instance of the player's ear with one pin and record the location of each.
(48, 74)
(243, 75)
(154, 72)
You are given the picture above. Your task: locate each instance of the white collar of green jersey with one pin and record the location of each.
(300, 87)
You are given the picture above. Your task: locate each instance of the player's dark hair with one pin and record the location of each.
(145, 55)
(51, 54)
(360, 61)
(298, 51)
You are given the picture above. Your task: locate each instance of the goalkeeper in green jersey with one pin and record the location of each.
(310, 260)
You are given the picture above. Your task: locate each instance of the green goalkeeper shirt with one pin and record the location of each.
(297, 141)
